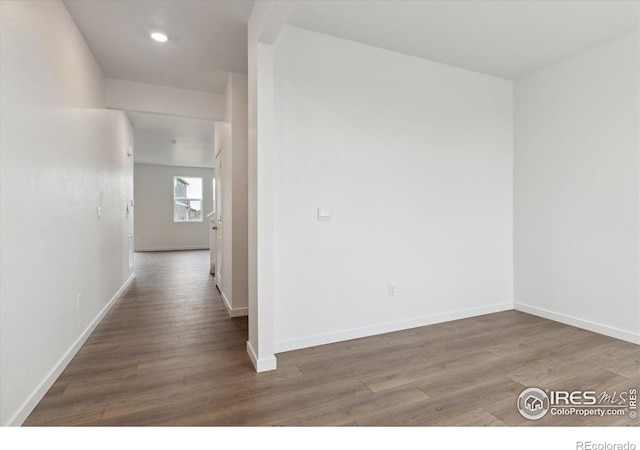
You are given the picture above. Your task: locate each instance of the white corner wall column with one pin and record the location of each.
(261, 347)
(267, 19)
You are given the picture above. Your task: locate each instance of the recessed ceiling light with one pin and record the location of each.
(160, 37)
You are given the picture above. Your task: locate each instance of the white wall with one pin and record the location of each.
(222, 144)
(231, 137)
(413, 159)
(143, 97)
(155, 229)
(239, 140)
(61, 158)
(577, 190)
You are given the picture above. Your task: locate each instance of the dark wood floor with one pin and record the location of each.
(168, 354)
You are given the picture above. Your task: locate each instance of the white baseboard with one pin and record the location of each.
(238, 312)
(355, 333)
(170, 249)
(234, 312)
(261, 365)
(606, 330)
(32, 401)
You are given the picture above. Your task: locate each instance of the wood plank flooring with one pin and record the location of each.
(168, 354)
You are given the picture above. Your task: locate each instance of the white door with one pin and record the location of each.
(218, 219)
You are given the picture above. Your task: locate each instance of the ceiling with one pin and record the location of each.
(207, 39)
(172, 141)
(507, 39)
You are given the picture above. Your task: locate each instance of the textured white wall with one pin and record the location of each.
(61, 159)
(154, 228)
(577, 190)
(414, 161)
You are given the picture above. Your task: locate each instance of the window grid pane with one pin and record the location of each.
(187, 199)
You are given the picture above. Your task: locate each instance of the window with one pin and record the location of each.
(187, 199)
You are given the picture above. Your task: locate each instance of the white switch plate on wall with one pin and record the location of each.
(323, 214)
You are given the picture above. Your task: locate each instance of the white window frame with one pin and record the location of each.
(175, 200)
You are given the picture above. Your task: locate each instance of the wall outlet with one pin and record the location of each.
(392, 290)
(79, 300)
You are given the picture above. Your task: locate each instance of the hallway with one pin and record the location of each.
(150, 359)
(168, 354)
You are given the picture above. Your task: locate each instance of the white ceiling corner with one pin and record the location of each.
(506, 39)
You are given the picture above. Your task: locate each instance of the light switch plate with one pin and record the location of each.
(323, 214)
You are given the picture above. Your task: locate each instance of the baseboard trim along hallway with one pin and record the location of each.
(261, 365)
(60, 366)
(356, 333)
(234, 312)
